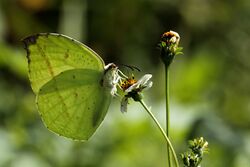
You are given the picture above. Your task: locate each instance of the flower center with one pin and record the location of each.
(125, 84)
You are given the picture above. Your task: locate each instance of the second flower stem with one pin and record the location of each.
(167, 110)
(170, 147)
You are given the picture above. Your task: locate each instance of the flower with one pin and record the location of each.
(169, 46)
(141, 84)
(190, 159)
(133, 88)
(194, 156)
(198, 146)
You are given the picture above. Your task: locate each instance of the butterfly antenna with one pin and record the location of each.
(131, 67)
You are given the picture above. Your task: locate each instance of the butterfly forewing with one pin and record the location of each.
(50, 54)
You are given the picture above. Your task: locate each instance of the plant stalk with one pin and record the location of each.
(167, 110)
(170, 147)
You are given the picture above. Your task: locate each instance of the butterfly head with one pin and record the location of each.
(111, 78)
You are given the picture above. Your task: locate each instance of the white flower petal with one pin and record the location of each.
(175, 34)
(124, 104)
(149, 85)
(143, 82)
(144, 79)
(132, 87)
(175, 37)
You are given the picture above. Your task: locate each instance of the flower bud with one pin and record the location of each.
(194, 156)
(169, 46)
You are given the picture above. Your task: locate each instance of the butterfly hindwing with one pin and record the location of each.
(73, 104)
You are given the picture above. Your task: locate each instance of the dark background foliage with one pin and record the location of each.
(209, 84)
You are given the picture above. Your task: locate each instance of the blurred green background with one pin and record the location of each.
(210, 83)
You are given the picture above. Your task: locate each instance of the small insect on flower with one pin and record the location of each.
(133, 88)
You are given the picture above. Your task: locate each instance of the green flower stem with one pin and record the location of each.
(167, 110)
(162, 132)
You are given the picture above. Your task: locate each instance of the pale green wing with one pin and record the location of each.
(50, 54)
(74, 103)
